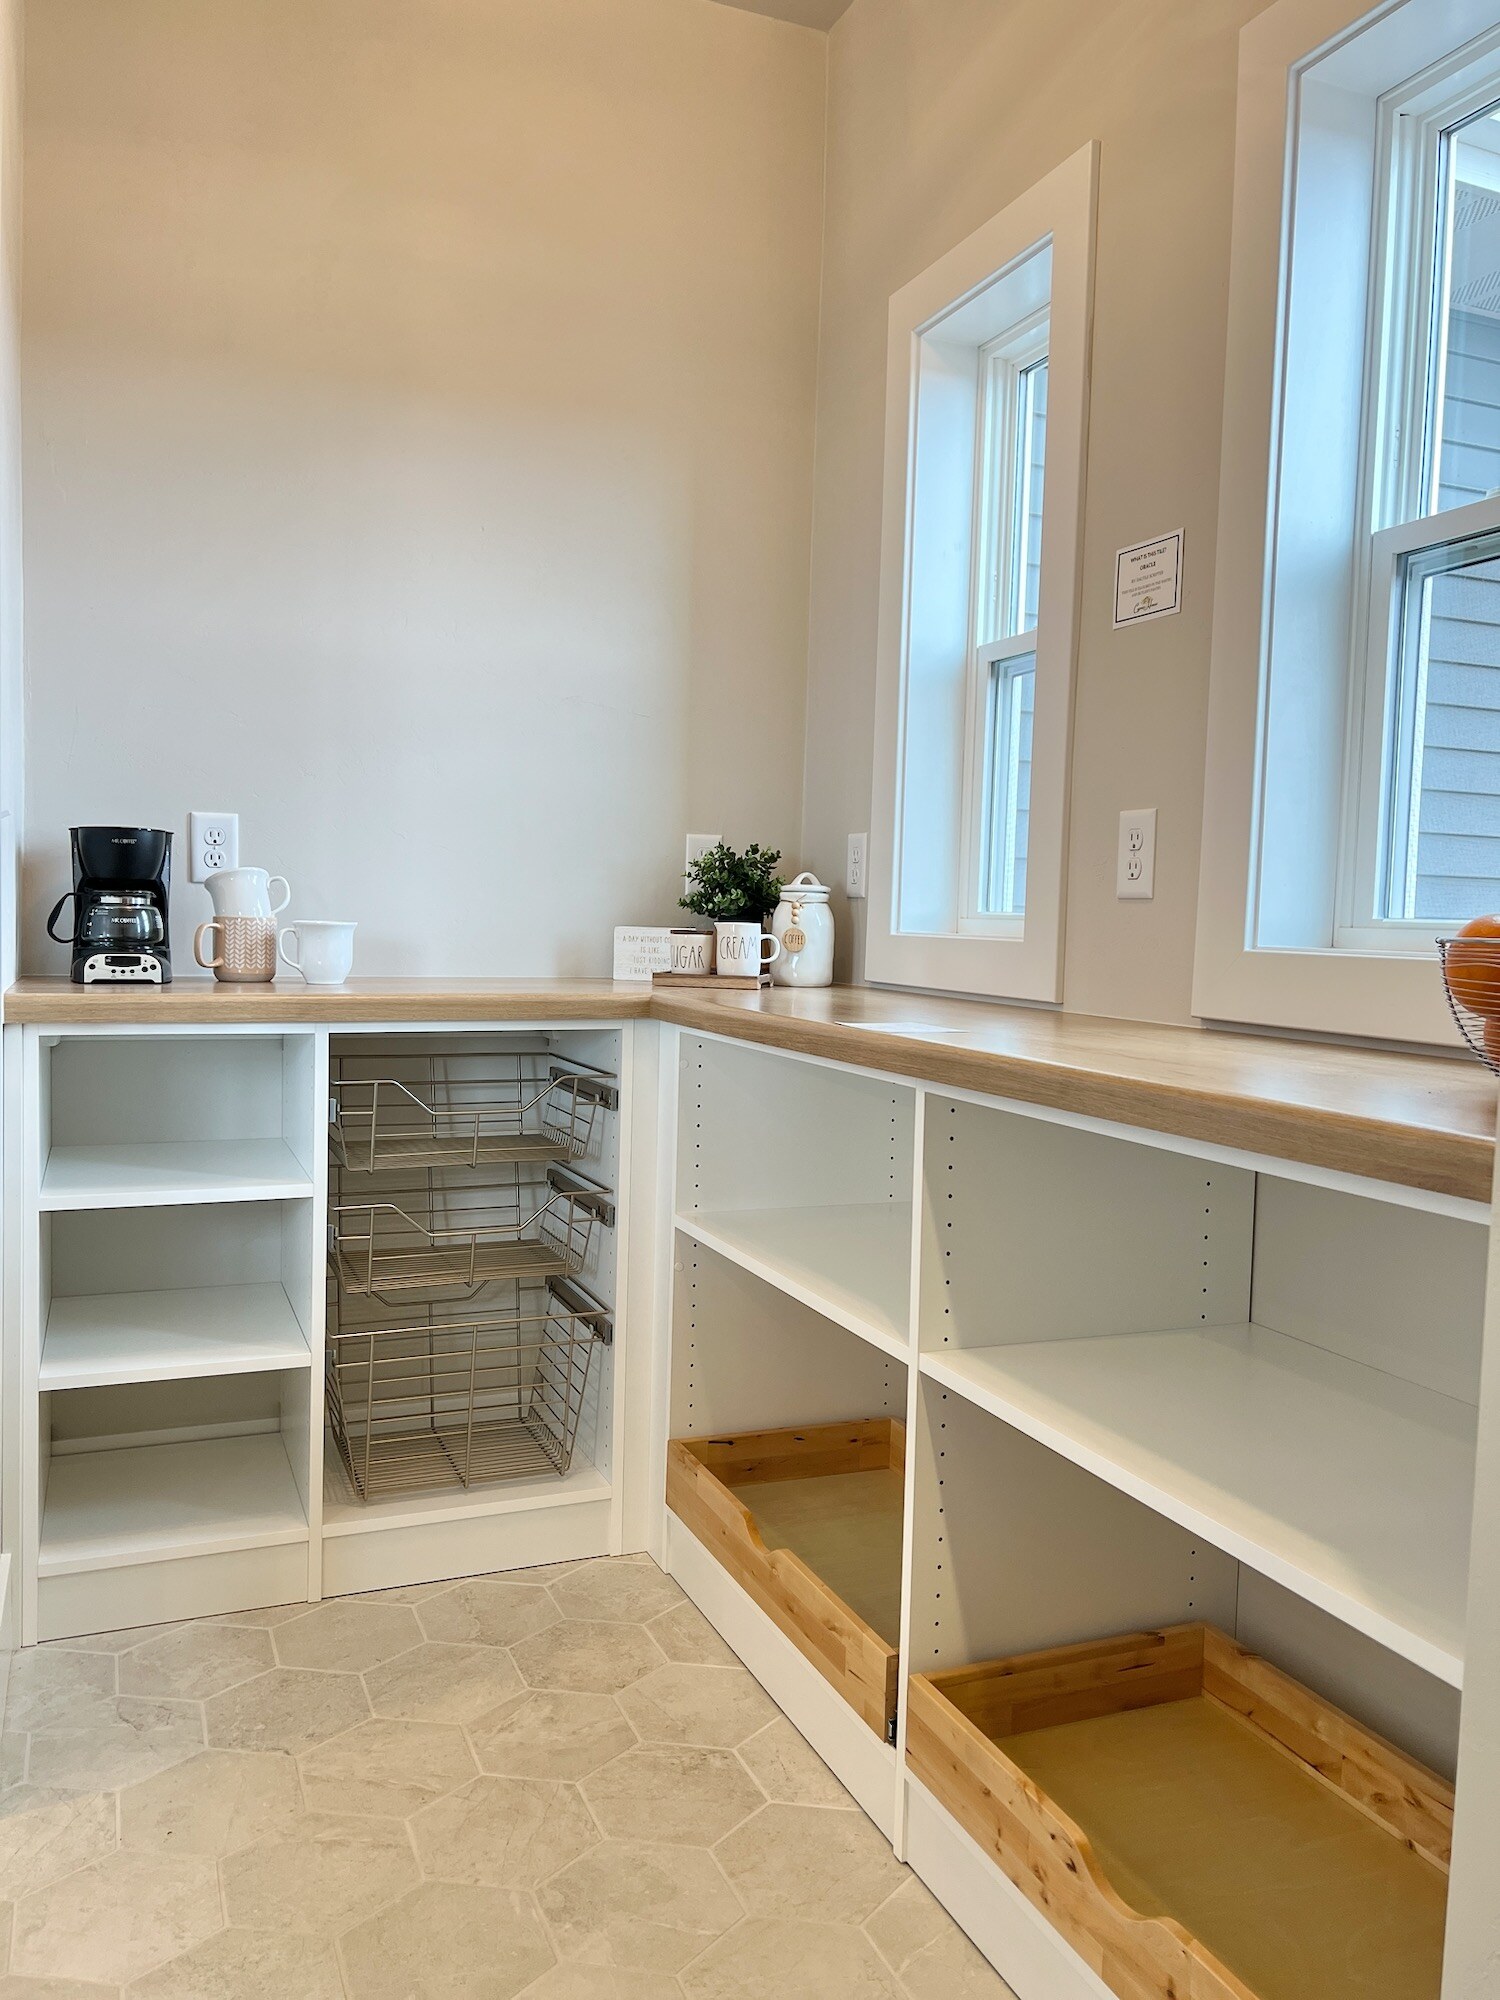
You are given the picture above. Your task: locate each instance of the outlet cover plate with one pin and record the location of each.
(1135, 863)
(213, 843)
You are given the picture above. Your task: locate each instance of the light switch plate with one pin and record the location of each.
(1135, 864)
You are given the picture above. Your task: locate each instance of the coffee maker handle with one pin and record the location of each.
(70, 896)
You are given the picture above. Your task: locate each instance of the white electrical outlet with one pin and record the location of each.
(698, 845)
(1135, 864)
(856, 874)
(213, 843)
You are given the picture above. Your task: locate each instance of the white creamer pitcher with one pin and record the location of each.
(803, 925)
(246, 892)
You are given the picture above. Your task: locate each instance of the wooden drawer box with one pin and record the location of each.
(1194, 1823)
(808, 1523)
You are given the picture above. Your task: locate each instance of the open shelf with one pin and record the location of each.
(169, 1336)
(802, 1174)
(1351, 1487)
(139, 1503)
(157, 1172)
(850, 1264)
(150, 1119)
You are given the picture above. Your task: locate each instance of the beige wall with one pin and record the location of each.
(940, 112)
(418, 450)
(12, 708)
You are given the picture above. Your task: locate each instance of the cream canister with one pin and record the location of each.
(803, 925)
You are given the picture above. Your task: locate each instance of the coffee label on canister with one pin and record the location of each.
(795, 940)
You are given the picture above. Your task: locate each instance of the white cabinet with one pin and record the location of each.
(181, 1293)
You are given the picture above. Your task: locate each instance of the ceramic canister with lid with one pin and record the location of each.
(804, 925)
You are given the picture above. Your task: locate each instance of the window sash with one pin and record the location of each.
(1000, 633)
(1010, 677)
(1003, 478)
(1405, 385)
(1402, 559)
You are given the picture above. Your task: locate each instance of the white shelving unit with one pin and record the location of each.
(171, 1332)
(1146, 1385)
(175, 1189)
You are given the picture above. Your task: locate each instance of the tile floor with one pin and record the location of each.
(556, 1783)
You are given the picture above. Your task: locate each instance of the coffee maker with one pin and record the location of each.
(119, 894)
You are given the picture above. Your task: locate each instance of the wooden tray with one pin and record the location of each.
(724, 982)
(833, 1504)
(1194, 1823)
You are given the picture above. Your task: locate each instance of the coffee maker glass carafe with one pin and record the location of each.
(120, 920)
(119, 893)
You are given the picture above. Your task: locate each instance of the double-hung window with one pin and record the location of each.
(987, 403)
(1353, 798)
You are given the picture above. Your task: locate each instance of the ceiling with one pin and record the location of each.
(808, 13)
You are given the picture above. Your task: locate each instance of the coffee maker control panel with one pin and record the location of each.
(140, 966)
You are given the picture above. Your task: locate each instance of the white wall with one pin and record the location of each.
(418, 450)
(940, 113)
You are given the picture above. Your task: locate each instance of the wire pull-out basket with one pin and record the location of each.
(443, 1243)
(464, 1402)
(524, 1108)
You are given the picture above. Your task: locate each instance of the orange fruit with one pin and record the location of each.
(1473, 963)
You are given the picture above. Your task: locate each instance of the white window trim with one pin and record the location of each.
(1381, 994)
(999, 957)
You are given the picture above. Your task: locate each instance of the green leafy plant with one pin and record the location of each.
(731, 888)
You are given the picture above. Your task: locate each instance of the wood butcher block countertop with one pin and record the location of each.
(1422, 1121)
(55, 1003)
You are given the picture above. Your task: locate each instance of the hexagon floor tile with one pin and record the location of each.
(556, 1784)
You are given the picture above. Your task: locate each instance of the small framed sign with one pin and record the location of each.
(1148, 580)
(642, 951)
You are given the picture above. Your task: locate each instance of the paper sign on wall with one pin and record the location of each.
(1148, 580)
(640, 952)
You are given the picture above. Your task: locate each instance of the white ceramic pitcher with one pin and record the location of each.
(246, 892)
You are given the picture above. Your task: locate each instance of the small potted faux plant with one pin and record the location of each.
(737, 893)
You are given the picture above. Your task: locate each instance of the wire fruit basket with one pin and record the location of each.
(464, 1402)
(528, 1232)
(1471, 980)
(528, 1109)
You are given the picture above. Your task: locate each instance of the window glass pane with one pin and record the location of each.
(1443, 806)
(1007, 787)
(1031, 451)
(1467, 454)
